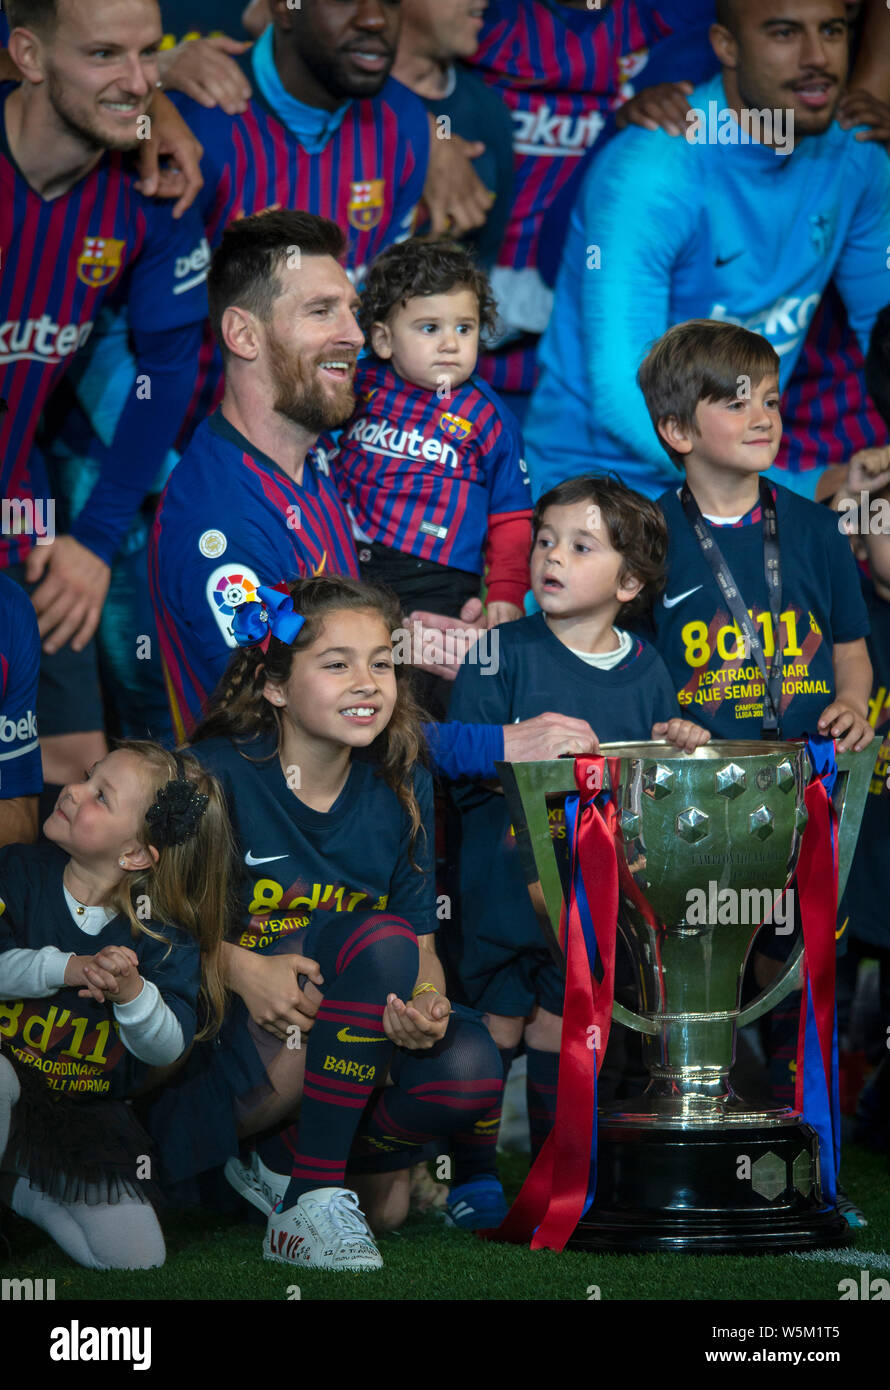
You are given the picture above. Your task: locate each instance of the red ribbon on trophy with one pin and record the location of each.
(561, 1183)
(816, 1080)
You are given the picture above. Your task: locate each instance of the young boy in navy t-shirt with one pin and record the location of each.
(761, 624)
(598, 548)
(712, 390)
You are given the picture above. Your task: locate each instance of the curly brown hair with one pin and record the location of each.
(411, 269)
(239, 711)
(637, 530)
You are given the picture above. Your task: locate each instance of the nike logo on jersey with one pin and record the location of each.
(725, 260)
(345, 1036)
(672, 602)
(249, 858)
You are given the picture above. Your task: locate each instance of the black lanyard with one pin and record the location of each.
(772, 678)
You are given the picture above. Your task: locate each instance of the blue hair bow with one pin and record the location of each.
(270, 614)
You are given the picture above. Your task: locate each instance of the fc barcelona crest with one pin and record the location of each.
(365, 207)
(99, 261)
(456, 426)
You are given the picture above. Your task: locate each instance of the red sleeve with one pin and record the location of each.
(506, 555)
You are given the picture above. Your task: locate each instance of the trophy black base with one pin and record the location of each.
(722, 1190)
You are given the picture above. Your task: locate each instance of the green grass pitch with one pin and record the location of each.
(215, 1257)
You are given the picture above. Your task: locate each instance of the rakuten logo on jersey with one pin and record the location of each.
(545, 132)
(192, 270)
(13, 730)
(380, 437)
(41, 340)
(784, 323)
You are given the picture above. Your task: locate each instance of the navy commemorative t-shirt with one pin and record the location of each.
(865, 903)
(822, 605)
(74, 1042)
(535, 673)
(295, 861)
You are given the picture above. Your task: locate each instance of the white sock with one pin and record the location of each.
(119, 1235)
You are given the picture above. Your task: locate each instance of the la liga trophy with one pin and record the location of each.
(689, 1164)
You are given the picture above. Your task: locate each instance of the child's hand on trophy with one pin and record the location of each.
(847, 726)
(683, 734)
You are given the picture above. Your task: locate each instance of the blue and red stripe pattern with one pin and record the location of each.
(229, 520)
(61, 258)
(561, 73)
(827, 414)
(368, 179)
(422, 474)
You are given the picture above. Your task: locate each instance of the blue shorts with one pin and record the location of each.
(69, 698)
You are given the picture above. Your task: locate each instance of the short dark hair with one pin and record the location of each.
(727, 12)
(32, 14)
(244, 268)
(702, 360)
(877, 364)
(410, 269)
(637, 529)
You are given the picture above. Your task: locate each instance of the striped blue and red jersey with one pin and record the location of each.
(561, 72)
(20, 769)
(61, 258)
(827, 414)
(434, 477)
(368, 178)
(229, 520)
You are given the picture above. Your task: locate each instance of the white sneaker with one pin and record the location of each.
(257, 1183)
(325, 1230)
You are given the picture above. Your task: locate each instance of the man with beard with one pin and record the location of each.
(325, 130)
(251, 501)
(73, 230)
(745, 220)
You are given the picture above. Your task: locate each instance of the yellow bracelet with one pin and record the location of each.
(425, 988)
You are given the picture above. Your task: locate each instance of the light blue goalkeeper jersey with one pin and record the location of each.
(665, 230)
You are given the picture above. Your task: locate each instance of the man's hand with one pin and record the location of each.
(502, 613)
(271, 991)
(868, 471)
(418, 1025)
(549, 736)
(456, 198)
(69, 601)
(203, 70)
(858, 107)
(662, 107)
(846, 724)
(444, 641)
(170, 138)
(682, 733)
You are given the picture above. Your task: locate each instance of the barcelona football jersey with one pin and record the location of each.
(423, 474)
(88, 238)
(368, 178)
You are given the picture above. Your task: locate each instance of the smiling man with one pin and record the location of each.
(75, 230)
(732, 224)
